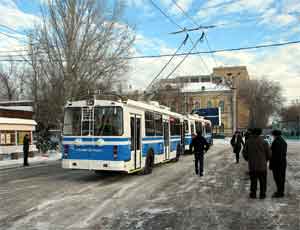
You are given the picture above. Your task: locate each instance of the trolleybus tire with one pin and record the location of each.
(149, 162)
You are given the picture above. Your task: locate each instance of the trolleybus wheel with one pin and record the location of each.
(149, 162)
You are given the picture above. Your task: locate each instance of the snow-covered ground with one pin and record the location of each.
(50, 156)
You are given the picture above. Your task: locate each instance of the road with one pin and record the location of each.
(172, 197)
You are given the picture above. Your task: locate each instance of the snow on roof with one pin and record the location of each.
(16, 121)
(18, 108)
(204, 86)
(20, 101)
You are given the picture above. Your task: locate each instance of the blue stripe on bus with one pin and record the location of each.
(92, 152)
(158, 148)
(89, 139)
(152, 138)
(188, 140)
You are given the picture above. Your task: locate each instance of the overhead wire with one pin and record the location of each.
(176, 24)
(207, 52)
(165, 66)
(196, 24)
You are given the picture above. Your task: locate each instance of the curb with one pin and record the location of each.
(31, 165)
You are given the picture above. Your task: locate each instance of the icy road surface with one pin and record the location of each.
(172, 197)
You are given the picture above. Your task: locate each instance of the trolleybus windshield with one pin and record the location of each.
(102, 121)
(108, 121)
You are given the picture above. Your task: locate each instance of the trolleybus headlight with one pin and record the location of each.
(115, 151)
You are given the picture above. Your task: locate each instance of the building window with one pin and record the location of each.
(209, 104)
(21, 135)
(7, 138)
(222, 105)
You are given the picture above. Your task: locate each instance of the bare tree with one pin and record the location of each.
(291, 113)
(79, 46)
(11, 81)
(263, 97)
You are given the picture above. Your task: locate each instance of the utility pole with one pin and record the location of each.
(234, 104)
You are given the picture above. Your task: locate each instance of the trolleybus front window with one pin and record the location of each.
(108, 121)
(72, 122)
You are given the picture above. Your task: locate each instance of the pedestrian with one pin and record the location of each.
(257, 153)
(237, 142)
(278, 162)
(247, 134)
(26, 141)
(200, 145)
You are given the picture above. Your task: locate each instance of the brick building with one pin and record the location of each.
(185, 93)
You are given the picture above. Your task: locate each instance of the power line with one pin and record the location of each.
(179, 64)
(11, 29)
(11, 36)
(165, 66)
(167, 16)
(195, 23)
(204, 52)
(172, 21)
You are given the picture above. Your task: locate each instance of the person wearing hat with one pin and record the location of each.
(257, 153)
(278, 162)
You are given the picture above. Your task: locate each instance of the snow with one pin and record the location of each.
(51, 156)
(17, 121)
(18, 108)
(204, 86)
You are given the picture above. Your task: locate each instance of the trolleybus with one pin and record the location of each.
(128, 136)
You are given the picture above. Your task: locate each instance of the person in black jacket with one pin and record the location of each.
(26, 141)
(200, 145)
(278, 162)
(236, 143)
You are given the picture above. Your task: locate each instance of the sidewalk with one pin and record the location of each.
(42, 159)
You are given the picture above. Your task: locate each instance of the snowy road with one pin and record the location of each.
(172, 197)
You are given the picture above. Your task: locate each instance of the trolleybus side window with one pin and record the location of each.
(72, 122)
(175, 126)
(108, 121)
(158, 124)
(149, 124)
(153, 124)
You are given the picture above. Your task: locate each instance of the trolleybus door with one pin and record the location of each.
(135, 130)
(166, 139)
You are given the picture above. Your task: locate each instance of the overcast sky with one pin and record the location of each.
(239, 23)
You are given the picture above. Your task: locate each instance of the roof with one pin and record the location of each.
(204, 87)
(18, 108)
(16, 121)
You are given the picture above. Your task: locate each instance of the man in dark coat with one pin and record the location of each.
(237, 143)
(257, 153)
(278, 162)
(200, 145)
(26, 141)
(247, 134)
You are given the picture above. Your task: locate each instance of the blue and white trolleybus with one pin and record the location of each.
(128, 136)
